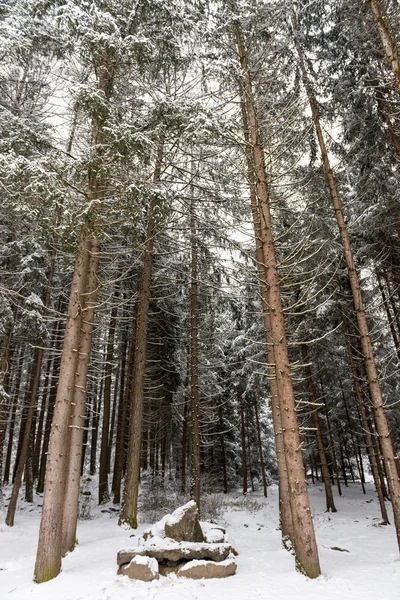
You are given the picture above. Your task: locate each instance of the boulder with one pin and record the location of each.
(214, 536)
(184, 524)
(207, 569)
(175, 552)
(141, 567)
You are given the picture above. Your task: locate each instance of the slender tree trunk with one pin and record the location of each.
(48, 559)
(184, 443)
(194, 363)
(125, 393)
(33, 387)
(285, 511)
(13, 418)
(331, 438)
(47, 427)
(353, 443)
(366, 345)
(113, 417)
(39, 432)
(342, 462)
(4, 400)
(392, 303)
(392, 327)
(103, 471)
(128, 512)
(365, 424)
(260, 450)
(307, 560)
(330, 504)
(97, 396)
(29, 461)
(388, 42)
(223, 454)
(384, 111)
(243, 438)
(71, 493)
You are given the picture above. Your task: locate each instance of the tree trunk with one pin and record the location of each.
(365, 424)
(4, 400)
(353, 443)
(184, 443)
(48, 558)
(13, 418)
(243, 438)
(49, 418)
(388, 42)
(366, 345)
(307, 560)
(97, 396)
(33, 387)
(331, 439)
(223, 455)
(122, 424)
(285, 511)
(392, 327)
(194, 364)
(330, 504)
(260, 450)
(128, 512)
(77, 419)
(103, 471)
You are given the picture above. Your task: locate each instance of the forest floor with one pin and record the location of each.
(359, 557)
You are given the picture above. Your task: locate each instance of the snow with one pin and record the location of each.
(370, 568)
(158, 529)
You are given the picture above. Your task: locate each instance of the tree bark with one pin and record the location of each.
(48, 558)
(392, 327)
(103, 471)
(184, 443)
(330, 504)
(285, 511)
(243, 438)
(125, 393)
(128, 512)
(33, 387)
(223, 455)
(307, 560)
(4, 399)
(194, 364)
(366, 345)
(388, 42)
(260, 450)
(77, 419)
(13, 418)
(331, 438)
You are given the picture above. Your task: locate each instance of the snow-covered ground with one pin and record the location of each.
(366, 568)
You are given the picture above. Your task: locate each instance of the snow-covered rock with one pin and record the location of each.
(214, 536)
(144, 568)
(177, 551)
(184, 524)
(207, 569)
(176, 541)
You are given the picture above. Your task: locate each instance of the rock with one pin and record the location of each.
(175, 552)
(214, 536)
(184, 524)
(141, 567)
(206, 569)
